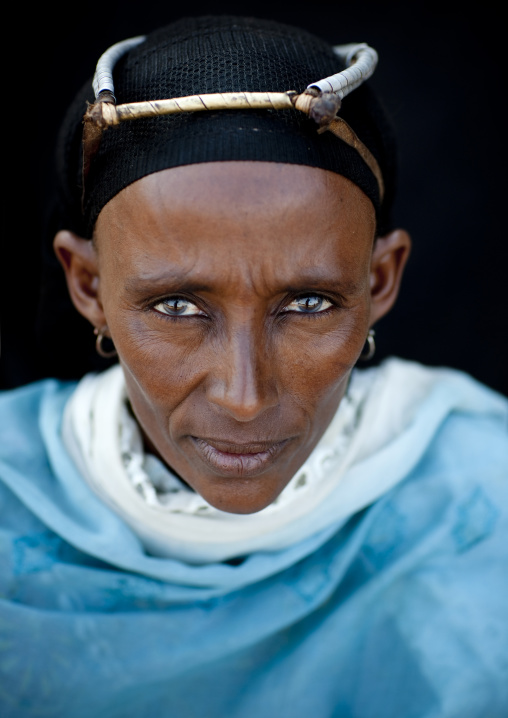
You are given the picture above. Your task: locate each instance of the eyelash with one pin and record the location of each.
(175, 317)
(283, 314)
(309, 314)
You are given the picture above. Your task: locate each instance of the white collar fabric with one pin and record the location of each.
(172, 521)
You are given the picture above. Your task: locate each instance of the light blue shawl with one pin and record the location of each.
(400, 610)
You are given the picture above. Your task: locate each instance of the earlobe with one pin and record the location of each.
(389, 258)
(78, 258)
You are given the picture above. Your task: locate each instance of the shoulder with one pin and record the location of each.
(472, 437)
(461, 409)
(453, 502)
(450, 505)
(412, 379)
(26, 412)
(466, 450)
(25, 398)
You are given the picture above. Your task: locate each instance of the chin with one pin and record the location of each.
(241, 496)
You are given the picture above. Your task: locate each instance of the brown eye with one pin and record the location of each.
(308, 304)
(177, 307)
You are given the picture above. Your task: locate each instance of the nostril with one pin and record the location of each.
(242, 396)
(241, 408)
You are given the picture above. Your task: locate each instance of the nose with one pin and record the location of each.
(242, 381)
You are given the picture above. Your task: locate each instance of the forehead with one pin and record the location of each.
(232, 217)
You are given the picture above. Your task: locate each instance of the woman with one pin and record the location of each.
(232, 519)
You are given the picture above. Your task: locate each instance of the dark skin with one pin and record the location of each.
(239, 296)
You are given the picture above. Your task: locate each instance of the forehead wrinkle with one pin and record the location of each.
(304, 268)
(200, 270)
(266, 254)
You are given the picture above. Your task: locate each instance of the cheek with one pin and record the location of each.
(316, 362)
(162, 370)
(160, 360)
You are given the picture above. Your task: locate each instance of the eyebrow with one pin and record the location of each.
(312, 279)
(318, 279)
(169, 281)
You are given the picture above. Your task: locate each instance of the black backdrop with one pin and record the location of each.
(442, 76)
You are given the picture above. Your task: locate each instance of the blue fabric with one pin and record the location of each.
(400, 611)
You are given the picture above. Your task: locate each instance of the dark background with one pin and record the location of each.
(443, 78)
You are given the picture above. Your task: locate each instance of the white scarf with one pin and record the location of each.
(173, 521)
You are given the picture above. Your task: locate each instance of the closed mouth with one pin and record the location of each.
(231, 459)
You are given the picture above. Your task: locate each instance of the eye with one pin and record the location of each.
(308, 304)
(177, 307)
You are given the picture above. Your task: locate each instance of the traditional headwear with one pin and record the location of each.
(189, 57)
(199, 56)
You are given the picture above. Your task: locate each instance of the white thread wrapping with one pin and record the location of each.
(103, 78)
(360, 58)
(362, 61)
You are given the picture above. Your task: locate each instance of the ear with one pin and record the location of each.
(389, 258)
(78, 258)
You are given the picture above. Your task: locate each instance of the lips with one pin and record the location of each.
(245, 460)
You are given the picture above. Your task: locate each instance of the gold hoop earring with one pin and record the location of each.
(98, 345)
(370, 346)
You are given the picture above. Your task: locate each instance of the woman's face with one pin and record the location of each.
(238, 296)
